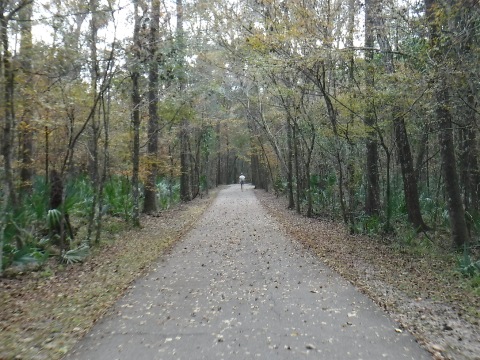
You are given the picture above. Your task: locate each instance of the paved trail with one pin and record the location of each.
(237, 288)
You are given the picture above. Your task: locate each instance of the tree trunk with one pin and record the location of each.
(269, 167)
(8, 193)
(219, 154)
(372, 197)
(26, 128)
(309, 190)
(6, 103)
(150, 192)
(185, 168)
(458, 225)
(465, 24)
(296, 159)
(255, 167)
(194, 167)
(309, 148)
(410, 187)
(459, 230)
(206, 151)
(226, 164)
(57, 201)
(469, 166)
(185, 189)
(94, 123)
(136, 101)
(106, 159)
(351, 168)
(291, 201)
(388, 187)
(338, 157)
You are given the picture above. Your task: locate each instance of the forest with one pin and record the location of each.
(365, 113)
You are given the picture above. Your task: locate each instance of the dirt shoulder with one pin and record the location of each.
(422, 292)
(43, 313)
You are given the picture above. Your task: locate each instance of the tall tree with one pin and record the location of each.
(93, 159)
(456, 211)
(290, 155)
(466, 32)
(150, 192)
(136, 103)
(372, 198)
(26, 126)
(185, 180)
(351, 166)
(7, 87)
(410, 187)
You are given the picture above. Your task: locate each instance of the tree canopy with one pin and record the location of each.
(366, 113)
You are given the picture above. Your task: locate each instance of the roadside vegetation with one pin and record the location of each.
(46, 309)
(33, 233)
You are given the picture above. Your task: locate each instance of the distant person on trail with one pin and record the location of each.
(242, 180)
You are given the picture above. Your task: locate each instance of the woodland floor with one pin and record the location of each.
(43, 313)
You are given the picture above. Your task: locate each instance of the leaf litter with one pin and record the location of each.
(422, 293)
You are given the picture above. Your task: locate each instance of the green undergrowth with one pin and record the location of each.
(43, 313)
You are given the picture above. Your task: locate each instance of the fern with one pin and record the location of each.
(467, 266)
(53, 218)
(75, 255)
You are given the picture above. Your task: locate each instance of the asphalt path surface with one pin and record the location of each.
(236, 287)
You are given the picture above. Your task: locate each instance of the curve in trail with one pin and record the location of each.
(237, 288)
